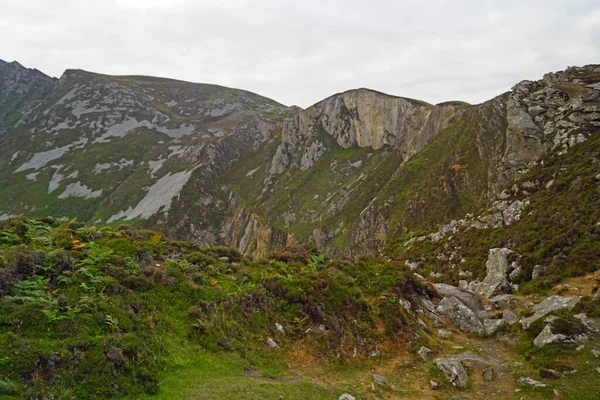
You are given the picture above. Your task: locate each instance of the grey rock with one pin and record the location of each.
(510, 317)
(470, 299)
(515, 273)
(405, 304)
(496, 279)
(272, 343)
(424, 353)
(596, 353)
(279, 327)
(381, 380)
(453, 370)
(550, 304)
(589, 324)
(434, 385)
(526, 381)
(444, 334)
(462, 316)
(539, 271)
(547, 337)
(488, 375)
(505, 301)
(346, 396)
(473, 358)
(491, 326)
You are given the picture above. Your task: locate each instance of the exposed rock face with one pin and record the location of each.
(21, 90)
(259, 175)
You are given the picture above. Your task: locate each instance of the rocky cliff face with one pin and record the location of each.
(21, 89)
(350, 174)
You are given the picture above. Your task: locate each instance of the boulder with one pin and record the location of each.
(474, 359)
(433, 385)
(547, 337)
(488, 375)
(272, 343)
(496, 279)
(526, 381)
(491, 326)
(346, 396)
(550, 304)
(444, 334)
(515, 273)
(509, 316)
(381, 380)
(470, 299)
(424, 353)
(453, 370)
(462, 316)
(539, 271)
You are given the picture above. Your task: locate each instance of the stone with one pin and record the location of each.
(453, 370)
(539, 271)
(434, 385)
(444, 334)
(496, 279)
(510, 317)
(589, 324)
(463, 284)
(272, 343)
(526, 381)
(505, 301)
(424, 353)
(405, 304)
(550, 304)
(346, 396)
(515, 273)
(462, 316)
(491, 326)
(470, 299)
(381, 380)
(474, 359)
(596, 353)
(547, 337)
(488, 375)
(279, 327)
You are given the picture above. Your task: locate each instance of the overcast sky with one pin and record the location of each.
(299, 52)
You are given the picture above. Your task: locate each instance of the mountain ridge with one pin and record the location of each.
(245, 156)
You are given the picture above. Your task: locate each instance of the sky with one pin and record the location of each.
(300, 52)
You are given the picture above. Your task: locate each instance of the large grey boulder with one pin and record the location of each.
(453, 370)
(550, 304)
(547, 337)
(496, 280)
(346, 396)
(491, 326)
(468, 298)
(462, 316)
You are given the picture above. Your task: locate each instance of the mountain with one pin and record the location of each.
(21, 89)
(378, 247)
(350, 174)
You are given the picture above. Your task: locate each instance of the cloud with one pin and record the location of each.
(303, 51)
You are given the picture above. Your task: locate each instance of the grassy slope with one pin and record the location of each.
(91, 313)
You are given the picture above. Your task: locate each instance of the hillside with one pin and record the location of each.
(224, 166)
